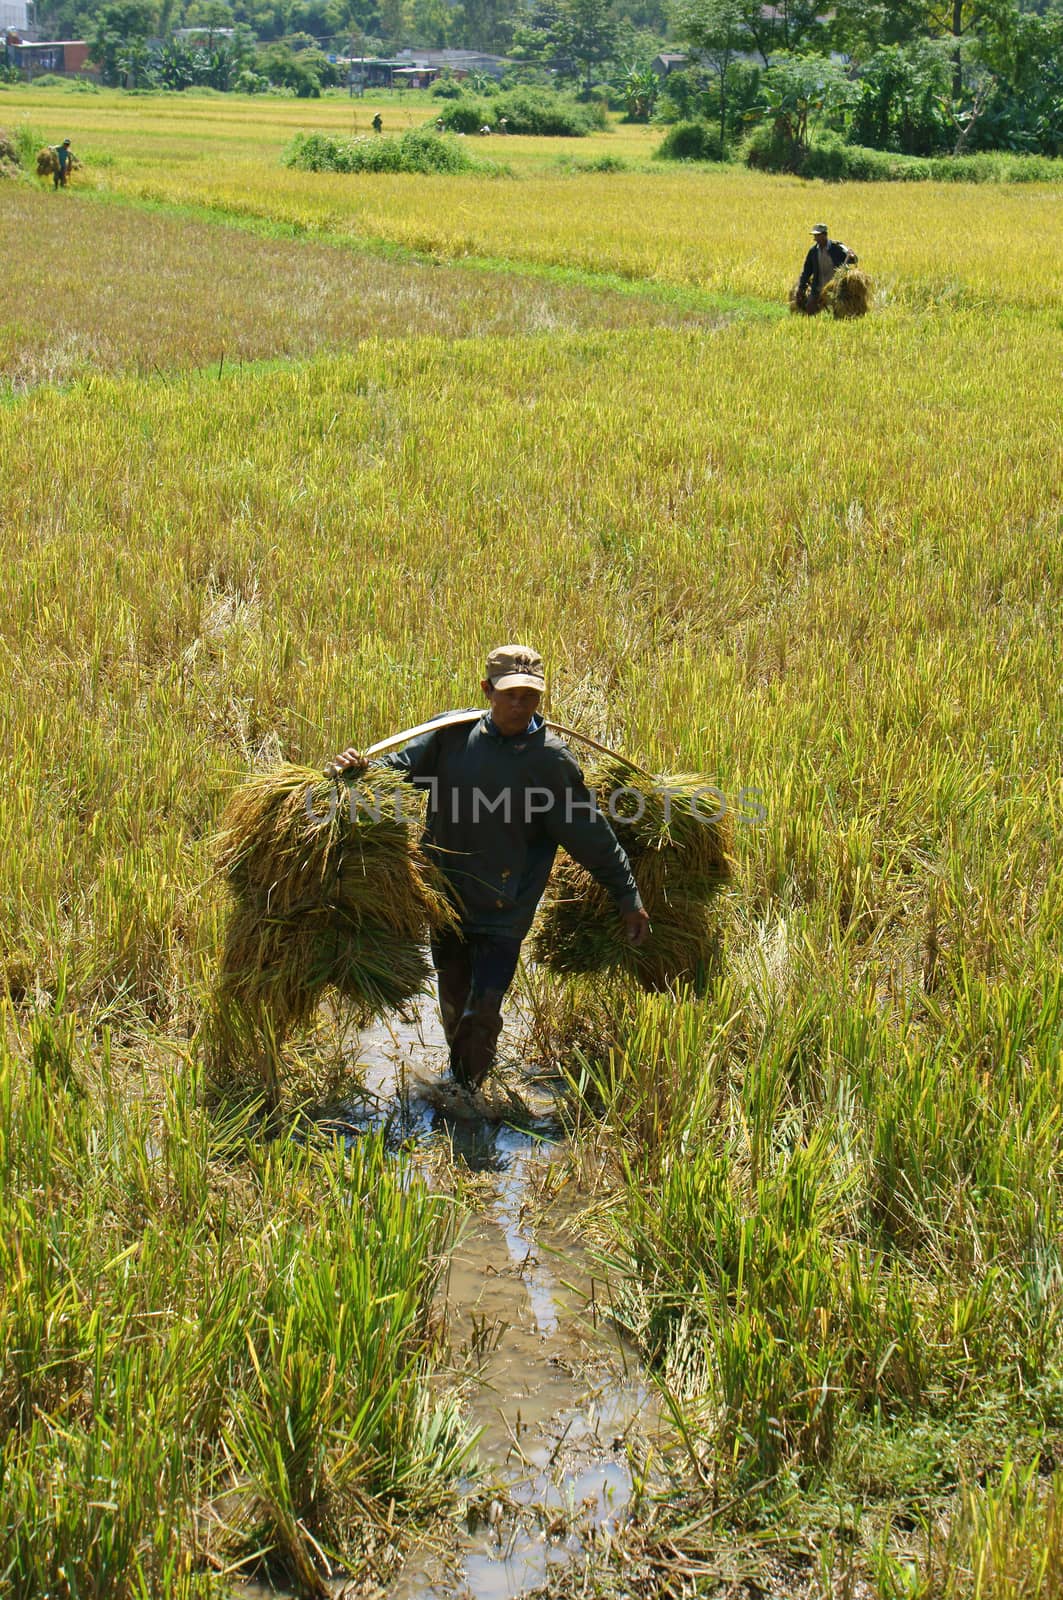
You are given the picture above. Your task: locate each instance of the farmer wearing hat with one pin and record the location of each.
(503, 793)
(821, 263)
(64, 158)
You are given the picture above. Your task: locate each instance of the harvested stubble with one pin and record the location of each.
(330, 901)
(848, 294)
(680, 853)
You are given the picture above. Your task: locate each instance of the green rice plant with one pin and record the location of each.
(95, 1513)
(190, 1320)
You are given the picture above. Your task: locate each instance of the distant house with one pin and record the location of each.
(459, 63)
(418, 69)
(65, 57)
(668, 61)
(378, 74)
(419, 77)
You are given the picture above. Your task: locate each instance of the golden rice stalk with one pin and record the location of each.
(329, 892)
(848, 294)
(47, 163)
(680, 851)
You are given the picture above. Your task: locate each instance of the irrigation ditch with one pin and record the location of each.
(566, 1417)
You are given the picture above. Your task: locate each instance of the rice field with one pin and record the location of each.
(816, 560)
(728, 232)
(107, 289)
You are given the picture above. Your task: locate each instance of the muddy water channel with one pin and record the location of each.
(564, 1413)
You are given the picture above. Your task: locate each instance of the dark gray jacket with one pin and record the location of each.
(839, 254)
(497, 810)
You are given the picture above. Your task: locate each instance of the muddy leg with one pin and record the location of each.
(472, 1049)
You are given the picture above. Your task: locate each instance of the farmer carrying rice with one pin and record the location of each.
(503, 793)
(64, 160)
(821, 263)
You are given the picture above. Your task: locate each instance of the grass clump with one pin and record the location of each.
(329, 893)
(678, 837)
(417, 150)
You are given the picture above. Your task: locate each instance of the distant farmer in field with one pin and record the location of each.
(821, 263)
(64, 159)
(503, 793)
(378, 123)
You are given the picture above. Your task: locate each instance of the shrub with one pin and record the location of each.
(831, 159)
(542, 112)
(464, 116)
(690, 141)
(682, 97)
(446, 88)
(770, 148)
(415, 151)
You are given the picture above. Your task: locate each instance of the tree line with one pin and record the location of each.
(916, 76)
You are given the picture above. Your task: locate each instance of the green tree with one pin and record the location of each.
(575, 36)
(716, 31)
(641, 87)
(788, 25)
(793, 92)
(118, 39)
(487, 24)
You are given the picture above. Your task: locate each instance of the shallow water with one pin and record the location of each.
(558, 1398)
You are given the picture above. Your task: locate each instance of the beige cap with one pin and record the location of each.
(515, 666)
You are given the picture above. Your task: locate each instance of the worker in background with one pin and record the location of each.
(378, 123)
(64, 159)
(503, 793)
(821, 263)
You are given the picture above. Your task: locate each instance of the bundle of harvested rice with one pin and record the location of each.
(802, 302)
(848, 294)
(679, 847)
(329, 891)
(47, 163)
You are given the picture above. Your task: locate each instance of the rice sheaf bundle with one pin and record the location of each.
(680, 853)
(322, 899)
(848, 294)
(47, 163)
(799, 301)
